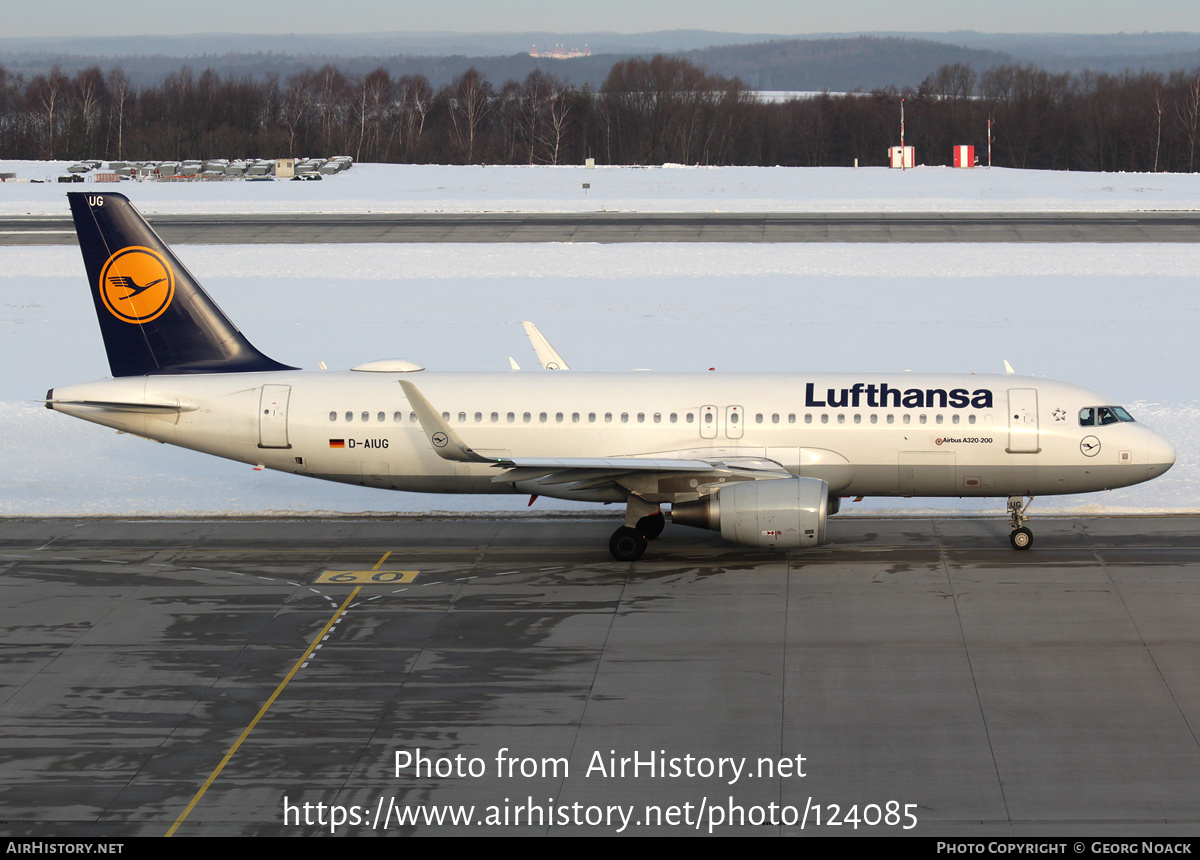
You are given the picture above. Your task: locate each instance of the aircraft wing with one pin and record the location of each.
(655, 479)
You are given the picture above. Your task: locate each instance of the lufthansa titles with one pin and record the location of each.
(883, 395)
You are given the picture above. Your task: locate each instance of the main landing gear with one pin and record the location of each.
(629, 541)
(1021, 537)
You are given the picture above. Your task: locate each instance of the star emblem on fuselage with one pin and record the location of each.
(1060, 414)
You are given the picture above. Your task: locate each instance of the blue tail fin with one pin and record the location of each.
(154, 316)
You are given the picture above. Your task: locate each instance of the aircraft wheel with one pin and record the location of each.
(627, 544)
(1021, 538)
(652, 526)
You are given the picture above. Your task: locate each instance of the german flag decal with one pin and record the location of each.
(337, 443)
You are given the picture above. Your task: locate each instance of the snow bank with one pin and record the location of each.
(673, 188)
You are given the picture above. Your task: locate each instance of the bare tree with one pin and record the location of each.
(49, 92)
(373, 103)
(1160, 107)
(415, 96)
(1187, 112)
(297, 108)
(545, 109)
(118, 89)
(470, 102)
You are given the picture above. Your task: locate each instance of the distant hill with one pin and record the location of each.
(838, 63)
(860, 63)
(372, 44)
(1073, 52)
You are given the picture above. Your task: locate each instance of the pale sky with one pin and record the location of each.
(784, 17)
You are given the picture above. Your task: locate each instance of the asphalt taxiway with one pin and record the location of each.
(914, 671)
(300, 228)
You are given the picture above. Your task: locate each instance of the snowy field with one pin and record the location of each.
(1117, 318)
(422, 188)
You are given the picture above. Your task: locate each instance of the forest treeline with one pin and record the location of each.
(647, 111)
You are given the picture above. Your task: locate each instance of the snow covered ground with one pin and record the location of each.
(673, 188)
(1118, 318)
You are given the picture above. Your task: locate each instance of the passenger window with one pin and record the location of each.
(891, 419)
(512, 417)
(674, 417)
(333, 416)
(349, 416)
(591, 417)
(874, 418)
(858, 419)
(641, 418)
(824, 417)
(624, 417)
(478, 417)
(542, 417)
(689, 418)
(558, 416)
(382, 417)
(495, 417)
(397, 417)
(575, 417)
(527, 417)
(808, 418)
(657, 417)
(775, 418)
(462, 418)
(366, 416)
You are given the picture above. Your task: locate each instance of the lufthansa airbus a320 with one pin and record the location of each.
(764, 458)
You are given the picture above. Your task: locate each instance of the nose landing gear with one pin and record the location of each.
(1021, 537)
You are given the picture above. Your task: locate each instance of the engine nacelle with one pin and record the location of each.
(782, 512)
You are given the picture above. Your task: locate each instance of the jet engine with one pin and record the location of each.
(782, 512)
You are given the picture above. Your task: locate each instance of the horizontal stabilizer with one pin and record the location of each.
(115, 406)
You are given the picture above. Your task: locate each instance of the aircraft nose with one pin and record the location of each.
(1160, 454)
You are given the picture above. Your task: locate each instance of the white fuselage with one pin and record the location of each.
(902, 434)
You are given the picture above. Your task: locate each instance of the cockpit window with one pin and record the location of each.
(1098, 416)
